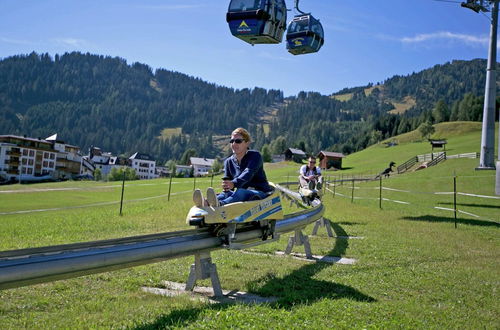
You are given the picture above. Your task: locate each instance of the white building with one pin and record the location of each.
(144, 165)
(201, 166)
(100, 160)
(26, 158)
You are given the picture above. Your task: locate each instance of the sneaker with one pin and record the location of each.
(198, 198)
(311, 185)
(212, 197)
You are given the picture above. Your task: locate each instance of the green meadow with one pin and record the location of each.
(414, 268)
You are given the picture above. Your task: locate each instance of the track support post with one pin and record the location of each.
(201, 269)
(299, 239)
(323, 223)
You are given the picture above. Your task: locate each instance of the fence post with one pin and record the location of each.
(352, 192)
(123, 188)
(212, 180)
(380, 198)
(455, 197)
(194, 182)
(170, 186)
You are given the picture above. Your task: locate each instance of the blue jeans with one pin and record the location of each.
(240, 195)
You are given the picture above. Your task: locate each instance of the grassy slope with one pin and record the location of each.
(462, 137)
(413, 270)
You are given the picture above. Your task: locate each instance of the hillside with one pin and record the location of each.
(462, 137)
(123, 108)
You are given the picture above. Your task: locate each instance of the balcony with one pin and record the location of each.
(13, 152)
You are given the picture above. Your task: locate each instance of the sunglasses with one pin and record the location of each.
(312, 161)
(237, 141)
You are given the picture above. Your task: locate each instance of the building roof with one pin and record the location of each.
(114, 160)
(24, 138)
(54, 138)
(332, 154)
(141, 156)
(201, 161)
(297, 151)
(440, 141)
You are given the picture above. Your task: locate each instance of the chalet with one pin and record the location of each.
(201, 166)
(295, 155)
(328, 159)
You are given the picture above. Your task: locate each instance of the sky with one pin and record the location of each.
(366, 41)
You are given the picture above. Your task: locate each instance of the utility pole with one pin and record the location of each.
(487, 156)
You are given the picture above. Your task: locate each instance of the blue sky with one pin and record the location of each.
(365, 40)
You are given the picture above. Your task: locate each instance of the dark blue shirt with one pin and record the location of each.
(249, 173)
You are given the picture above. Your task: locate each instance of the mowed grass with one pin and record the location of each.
(413, 268)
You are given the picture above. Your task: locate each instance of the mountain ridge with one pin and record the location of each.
(101, 100)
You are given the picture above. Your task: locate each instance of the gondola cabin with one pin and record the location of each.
(257, 21)
(304, 35)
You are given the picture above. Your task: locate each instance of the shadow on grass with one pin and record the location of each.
(433, 218)
(179, 318)
(296, 288)
(474, 205)
(349, 223)
(299, 287)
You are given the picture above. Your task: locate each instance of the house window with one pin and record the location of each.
(25, 152)
(32, 153)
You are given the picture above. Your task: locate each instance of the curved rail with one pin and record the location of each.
(37, 265)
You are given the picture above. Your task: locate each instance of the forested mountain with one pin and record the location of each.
(355, 118)
(103, 101)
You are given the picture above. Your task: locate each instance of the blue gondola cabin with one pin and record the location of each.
(304, 35)
(257, 21)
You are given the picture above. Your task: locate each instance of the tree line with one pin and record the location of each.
(123, 108)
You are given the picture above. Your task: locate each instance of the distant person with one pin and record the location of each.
(244, 177)
(310, 175)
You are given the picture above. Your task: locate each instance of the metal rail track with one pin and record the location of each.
(44, 264)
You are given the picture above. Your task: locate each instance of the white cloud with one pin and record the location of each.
(71, 42)
(445, 35)
(16, 41)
